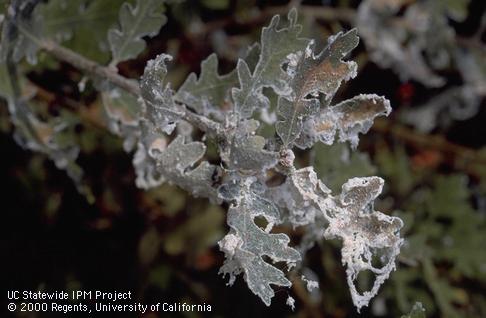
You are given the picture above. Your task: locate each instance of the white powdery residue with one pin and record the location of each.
(332, 38)
(159, 62)
(301, 217)
(147, 176)
(300, 196)
(310, 284)
(229, 244)
(309, 50)
(346, 155)
(353, 67)
(287, 158)
(379, 307)
(267, 116)
(293, 60)
(169, 128)
(290, 302)
(364, 232)
(375, 99)
(269, 227)
(82, 83)
(325, 134)
(157, 146)
(255, 243)
(114, 93)
(349, 130)
(185, 129)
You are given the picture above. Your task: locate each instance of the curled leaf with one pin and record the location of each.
(161, 108)
(346, 119)
(366, 234)
(313, 74)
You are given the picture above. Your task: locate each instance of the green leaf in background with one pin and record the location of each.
(395, 166)
(216, 4)
(145, 19)
(149, 246)
(457, 9)
(81, 25)
(6, 89)
(160, 276)
(336, 164)
(201, 231)
(443, 229)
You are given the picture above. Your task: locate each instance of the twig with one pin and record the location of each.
(410, 136)
(89, 66)
(131, 86)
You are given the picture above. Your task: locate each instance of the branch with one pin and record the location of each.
(89, 66)
(131, 86)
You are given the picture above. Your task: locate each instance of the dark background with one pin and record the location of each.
(51, 238)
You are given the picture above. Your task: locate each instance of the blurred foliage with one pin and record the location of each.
(444, 237)
(161, 243)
